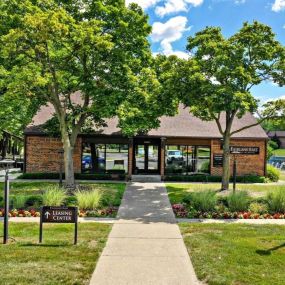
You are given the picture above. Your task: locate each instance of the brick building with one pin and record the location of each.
(182, 145)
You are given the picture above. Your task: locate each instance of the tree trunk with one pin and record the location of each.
(68, 162)
(226, 162)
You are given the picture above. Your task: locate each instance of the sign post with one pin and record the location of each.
(7, 163)
(6, 208)
(234, 174)
(59, 215)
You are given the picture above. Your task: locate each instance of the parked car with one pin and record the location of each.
(277, 161)
(173, 156)
(87, 162)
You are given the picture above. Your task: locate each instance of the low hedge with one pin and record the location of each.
(212, 178)
(79, 176)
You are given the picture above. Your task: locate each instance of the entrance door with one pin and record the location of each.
(146, 158)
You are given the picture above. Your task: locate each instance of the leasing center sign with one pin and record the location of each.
(59, 214)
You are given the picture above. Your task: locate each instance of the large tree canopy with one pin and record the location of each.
(217, 79)
(50, 49)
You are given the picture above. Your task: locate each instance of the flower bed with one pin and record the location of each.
(110, 212)
(181, 211)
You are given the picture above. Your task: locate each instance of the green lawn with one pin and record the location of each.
(225, 254)
(279, 152)
(282, 176)
(56, 261)
(177, 192)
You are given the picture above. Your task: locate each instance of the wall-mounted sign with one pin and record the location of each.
(59, 215)
(244, 150)
(218, 160)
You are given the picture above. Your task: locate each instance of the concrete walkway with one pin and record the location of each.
(145, 245)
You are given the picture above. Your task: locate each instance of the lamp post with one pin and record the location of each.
(60, 152)
(6, 163)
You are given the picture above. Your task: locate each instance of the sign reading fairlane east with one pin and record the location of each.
(244, 150)
(59, 214)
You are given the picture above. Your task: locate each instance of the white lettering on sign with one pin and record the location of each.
(61, 213)
(61, 218)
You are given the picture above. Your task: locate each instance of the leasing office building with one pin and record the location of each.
(182, 145)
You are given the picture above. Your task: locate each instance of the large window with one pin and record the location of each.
(98, 158)
(182, 159)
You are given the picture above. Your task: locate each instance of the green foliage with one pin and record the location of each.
(79, 176)
(54, 196)
(212, 178)
(273, 144)
(89, 200)
(276, 201)
(216, 81)
(238, 201)
(34, 201)
(258, 208)
(19, 201)
(273, 173)
(51, 50)
(203, 201)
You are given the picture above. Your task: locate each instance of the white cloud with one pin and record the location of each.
(238, 2)
(143, 3)
(169, 32)
(278, 5)
(175, 6)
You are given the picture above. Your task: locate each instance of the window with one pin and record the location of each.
(117, 157)
(98, 158)
(187, 159)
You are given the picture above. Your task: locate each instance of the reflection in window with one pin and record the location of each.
(117, 157)
(187, 159)
(99, 158)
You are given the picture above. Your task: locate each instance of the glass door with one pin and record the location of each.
(146, 159)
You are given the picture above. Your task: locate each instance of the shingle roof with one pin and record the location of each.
(183, 124)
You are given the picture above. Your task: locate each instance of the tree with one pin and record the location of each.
(54, 48)
(217, 79)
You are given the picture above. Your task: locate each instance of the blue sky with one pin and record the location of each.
(175, 20)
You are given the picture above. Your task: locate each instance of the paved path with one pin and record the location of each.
(145, 245)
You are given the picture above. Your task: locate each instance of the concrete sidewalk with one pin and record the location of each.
(145, 245)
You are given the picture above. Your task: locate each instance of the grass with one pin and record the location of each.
(56, 261)
(279, 152)
(177, 192)
(282, 176)
(236, 254)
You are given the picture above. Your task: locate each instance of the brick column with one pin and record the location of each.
(130, 158)
(162, 158)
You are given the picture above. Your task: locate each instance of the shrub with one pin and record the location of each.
(19, 201)
(117, 175)
(89, 200)
(276, 201)
(70, 201)
(211, 178)
(34, 201)
(54, 196)
(203, 201)
(258, 208)
(238, 202)
(273, 173)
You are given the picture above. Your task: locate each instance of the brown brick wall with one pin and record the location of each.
(130, 158)
(246, 164)
(42, 154)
